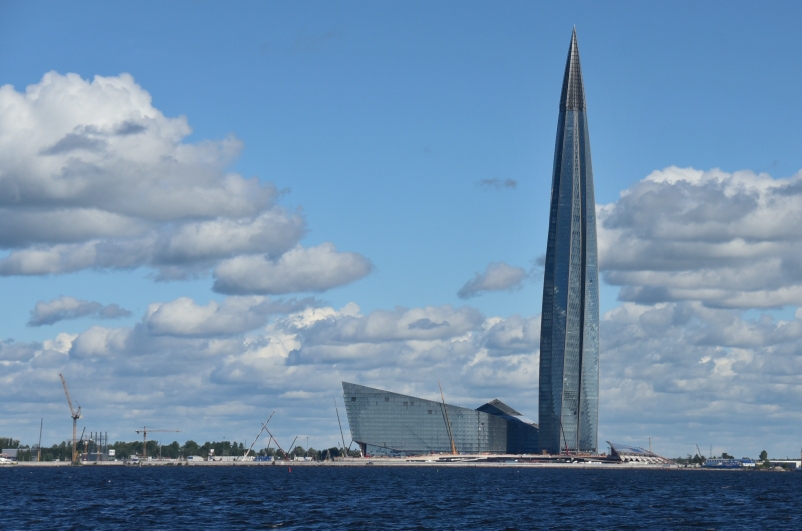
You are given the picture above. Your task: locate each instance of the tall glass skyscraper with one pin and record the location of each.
(569, 338)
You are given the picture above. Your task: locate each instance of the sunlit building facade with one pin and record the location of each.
(569, 340)
(386, 423)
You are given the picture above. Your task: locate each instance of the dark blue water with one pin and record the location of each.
(270, 497)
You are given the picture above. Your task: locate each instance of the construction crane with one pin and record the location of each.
(448, 423)
(341, 427)
(75, 416)
(264, 426)
(144, 431)
(286, 455)
(700, 453)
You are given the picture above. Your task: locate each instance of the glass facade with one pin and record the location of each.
(569, 339)
(383, 422)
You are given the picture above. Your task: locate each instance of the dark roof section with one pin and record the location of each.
(497, 407)
(573, 93)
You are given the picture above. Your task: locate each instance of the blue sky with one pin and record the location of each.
(377, 124)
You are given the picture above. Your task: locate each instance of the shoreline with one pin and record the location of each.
(369, 463)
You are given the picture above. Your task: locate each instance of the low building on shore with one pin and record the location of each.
(387, 423)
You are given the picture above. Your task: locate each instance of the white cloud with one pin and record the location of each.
(183, 317)
(100, 342)
(93, 176)
(301, 269)
(382, 326)
(62, 308)
(226, 363)
(497, 277)
(678, 372)
(726, 239)
(514, 334)
(691, 373)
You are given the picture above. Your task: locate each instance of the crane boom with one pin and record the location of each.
(341, 426)
(67, 392)
(286, 456)
(75, 416)
(448, 423)
(258, 434)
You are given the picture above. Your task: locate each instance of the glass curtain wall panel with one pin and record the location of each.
(383, 422)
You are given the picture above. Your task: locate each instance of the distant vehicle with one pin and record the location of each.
(194, 458)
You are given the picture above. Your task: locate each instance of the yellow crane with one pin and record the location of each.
(144, 431)
(75, 416)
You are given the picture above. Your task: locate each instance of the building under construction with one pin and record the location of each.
(386, 423)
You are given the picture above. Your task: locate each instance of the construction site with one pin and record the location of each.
(386, 428)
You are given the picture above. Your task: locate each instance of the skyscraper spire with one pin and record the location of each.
(573, 93)
(569, 339)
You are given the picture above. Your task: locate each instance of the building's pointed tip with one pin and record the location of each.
(573, 92)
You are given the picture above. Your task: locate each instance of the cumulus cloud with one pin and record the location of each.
(694, 372)
(100, 342)
(728, 240)
(63, 308)
(229, 361)
(498, 276)
(302, 269)
(513, 334)
(183, 317)
(680, 372)
(93, 176)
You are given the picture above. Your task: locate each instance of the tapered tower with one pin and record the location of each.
(569, 336)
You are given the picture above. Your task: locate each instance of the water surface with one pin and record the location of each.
(419, 498)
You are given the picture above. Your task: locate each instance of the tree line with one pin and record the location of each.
(173, 450)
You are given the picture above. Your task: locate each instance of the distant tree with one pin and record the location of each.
(8, 442)
(725, 455)
(330, 453)
(171, 451)
(191, 448)
(764, 455)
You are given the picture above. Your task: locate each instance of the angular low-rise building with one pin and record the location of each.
(387, 423)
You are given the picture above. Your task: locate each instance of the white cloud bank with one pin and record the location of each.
(93, 176)
(728, 240)
(186, 360)
(679, 372)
